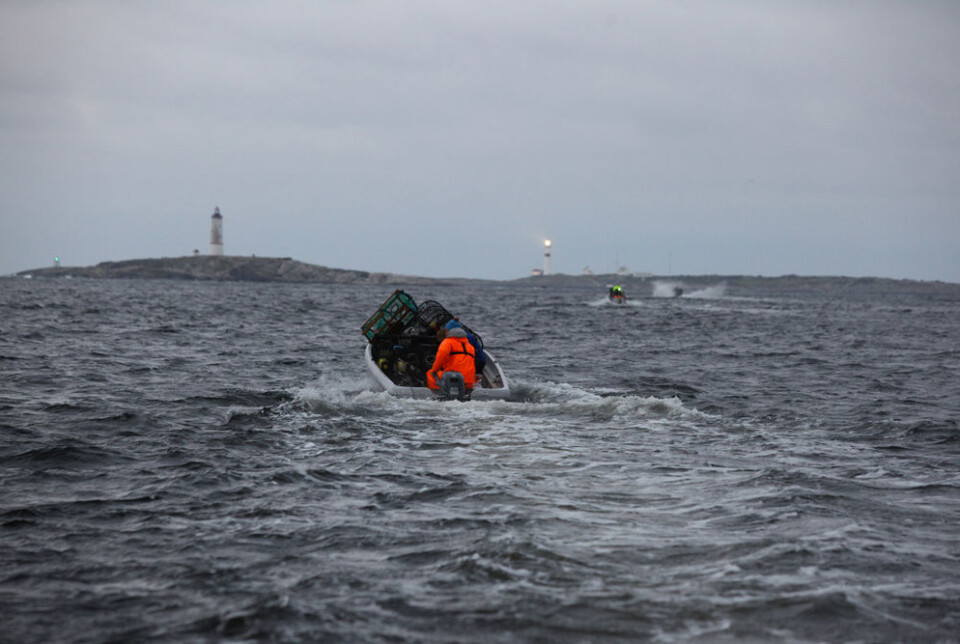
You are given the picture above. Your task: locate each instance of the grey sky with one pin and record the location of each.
(448, 138)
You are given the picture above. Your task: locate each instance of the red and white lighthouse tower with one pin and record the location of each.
(216, 232)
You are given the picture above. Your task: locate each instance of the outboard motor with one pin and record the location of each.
(452, 386)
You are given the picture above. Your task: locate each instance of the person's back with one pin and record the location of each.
(455, 353)
(480, 355)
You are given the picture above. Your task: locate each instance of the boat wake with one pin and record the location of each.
(603, 301)
(709, 293)
(359, 398)
(670, 288)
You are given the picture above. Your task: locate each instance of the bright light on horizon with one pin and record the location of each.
(547, 243)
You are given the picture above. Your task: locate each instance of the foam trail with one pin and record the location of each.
(604, 301)
(710, 292)
(662, 288)
(666, 288)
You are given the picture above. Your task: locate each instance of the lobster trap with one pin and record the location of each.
(394, 315)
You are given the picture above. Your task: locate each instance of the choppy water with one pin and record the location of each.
(205, 462)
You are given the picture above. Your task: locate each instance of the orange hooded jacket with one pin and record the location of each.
(454, 354)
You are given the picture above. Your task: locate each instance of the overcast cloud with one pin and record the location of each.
(447, 138)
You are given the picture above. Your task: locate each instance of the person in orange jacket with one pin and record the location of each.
(454, 354)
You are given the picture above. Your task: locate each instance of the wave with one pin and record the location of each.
(64, 457)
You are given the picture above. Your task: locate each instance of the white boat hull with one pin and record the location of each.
(491, 371)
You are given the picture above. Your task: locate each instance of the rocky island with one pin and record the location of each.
(226, 268)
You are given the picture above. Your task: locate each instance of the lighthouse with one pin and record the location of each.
(216, 232)
(546, 257)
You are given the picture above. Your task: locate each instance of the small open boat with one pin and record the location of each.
(402, 343)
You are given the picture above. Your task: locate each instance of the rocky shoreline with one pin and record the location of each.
(285, 269)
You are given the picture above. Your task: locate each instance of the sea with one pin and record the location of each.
(210, 462)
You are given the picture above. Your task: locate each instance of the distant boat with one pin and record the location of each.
(402, 344)
(616, 295)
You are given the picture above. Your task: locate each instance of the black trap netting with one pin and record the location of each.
(431, 316)
(406, 353)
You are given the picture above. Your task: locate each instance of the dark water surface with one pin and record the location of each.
(205, 462)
